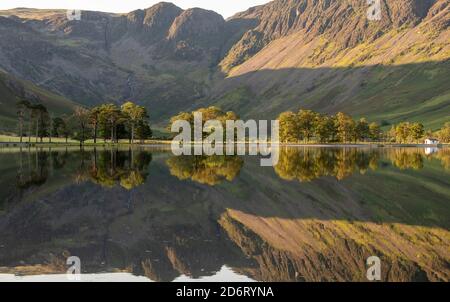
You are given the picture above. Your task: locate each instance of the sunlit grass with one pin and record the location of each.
(59, 140)
(16, 139)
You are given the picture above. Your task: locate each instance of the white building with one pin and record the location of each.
(431, 150)
(431, 141)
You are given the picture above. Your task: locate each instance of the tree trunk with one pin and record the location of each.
(21, 128)
(132, 133)
(112, 133)
(95, 133)
(95, 159)
(37, 130)
(30, 126)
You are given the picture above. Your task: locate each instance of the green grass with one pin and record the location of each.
(237, 100)
(62, 141)
(15, 139)
(57, 105)
(418, 93)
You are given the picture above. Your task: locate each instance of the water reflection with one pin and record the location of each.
(209, 170)
(33, 171)
(307, 164)
(129, 168)
(150, 214)
(109, 168)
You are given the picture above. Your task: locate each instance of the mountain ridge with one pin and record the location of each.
(171, 60)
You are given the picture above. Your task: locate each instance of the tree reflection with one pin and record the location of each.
(107, 168)
(407, 159)
(33, 169)
(209, 170)
(110, 168)
(444, 156)
(128, 168)
(308, 233)
(306, 164)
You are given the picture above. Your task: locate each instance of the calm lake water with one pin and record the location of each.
(144, 214)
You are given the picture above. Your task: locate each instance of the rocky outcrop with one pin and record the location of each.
(196, 31)
(150, 25)
(345, 22)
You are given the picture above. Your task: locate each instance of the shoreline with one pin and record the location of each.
(158, 143)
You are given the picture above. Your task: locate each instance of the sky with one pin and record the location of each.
(226, 8)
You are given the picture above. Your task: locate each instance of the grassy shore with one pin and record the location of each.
(7, 140)
(62, 141)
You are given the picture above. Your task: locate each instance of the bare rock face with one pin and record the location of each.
(151, 24)
(195, 31)
(343, 21)
(410, 11)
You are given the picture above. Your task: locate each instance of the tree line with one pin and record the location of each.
(413, 132)
(307, 126)
(130, 121)
(107, 122)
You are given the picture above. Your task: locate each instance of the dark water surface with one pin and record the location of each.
(317, 216)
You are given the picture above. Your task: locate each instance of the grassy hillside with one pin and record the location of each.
(402, 75)
(12, 90)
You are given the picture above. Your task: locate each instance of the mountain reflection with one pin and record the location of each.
(151, 214)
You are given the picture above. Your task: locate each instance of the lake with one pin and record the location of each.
(144, 214)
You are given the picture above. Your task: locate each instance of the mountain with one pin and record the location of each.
(288, 54)
(13, 90)
(327, 56)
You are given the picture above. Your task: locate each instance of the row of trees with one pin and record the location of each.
(38, 119)
(307, 125)
(407, 132)
(107, 121)
(444, 134)
(209, 113)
